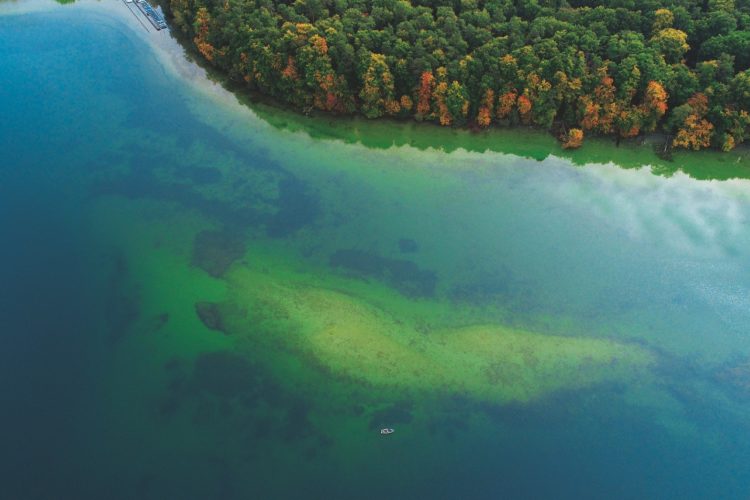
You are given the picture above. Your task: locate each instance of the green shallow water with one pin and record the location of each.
(210, 300)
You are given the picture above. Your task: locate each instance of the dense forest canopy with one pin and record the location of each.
(575, 67)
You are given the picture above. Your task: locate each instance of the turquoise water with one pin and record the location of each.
(209, 300)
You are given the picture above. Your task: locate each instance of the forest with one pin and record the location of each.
(577, 68)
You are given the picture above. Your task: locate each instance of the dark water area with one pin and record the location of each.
(403, 275)
(45, 366)
(204, 301)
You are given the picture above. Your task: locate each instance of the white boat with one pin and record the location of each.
(387, 431)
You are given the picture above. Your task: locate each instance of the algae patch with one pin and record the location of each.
(215, 251)
(403, 275)
(351, 338)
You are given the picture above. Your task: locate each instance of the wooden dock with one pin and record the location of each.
(156, 19)
(146, 10)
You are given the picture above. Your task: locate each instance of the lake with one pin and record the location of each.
(208, 297)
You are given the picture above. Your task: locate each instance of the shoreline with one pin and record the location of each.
(356, 108)
(644, 146)
(241, 107)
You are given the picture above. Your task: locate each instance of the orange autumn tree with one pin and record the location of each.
(654, 105)
(424, 98)
(524, 108)
(310, 77)
(590, 113)
(439, 96)
(629, 121)
(406, 103)
(632, 119)
(290, 70)
(600, 110)
(292, 78)
(392, 107)
(202, 22)
(336, 95)
(728, 143)
(505, 104)
(573, 139)
(694, 131)
(484, 115)
(444, 115)
(320, 73)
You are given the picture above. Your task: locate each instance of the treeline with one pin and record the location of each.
(575, 67)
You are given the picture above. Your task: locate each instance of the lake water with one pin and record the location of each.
(205, 299)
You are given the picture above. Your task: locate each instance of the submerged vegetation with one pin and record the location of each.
(576, 68)
(348, 337)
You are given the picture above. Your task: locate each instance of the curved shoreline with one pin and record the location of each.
(178, 57)
(524, 141)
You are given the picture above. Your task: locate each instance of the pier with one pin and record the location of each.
(156, 19)
(152, 15)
